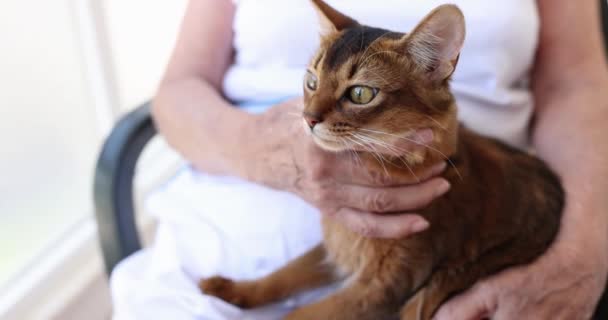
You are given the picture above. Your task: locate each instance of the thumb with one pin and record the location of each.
(474, 304)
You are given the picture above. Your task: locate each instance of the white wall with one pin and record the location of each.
(48, 136)
(50, 131)
(142, 34)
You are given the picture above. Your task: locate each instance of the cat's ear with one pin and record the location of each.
(436, 42)
(331, 19)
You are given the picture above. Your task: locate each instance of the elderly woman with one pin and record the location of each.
(532, 73)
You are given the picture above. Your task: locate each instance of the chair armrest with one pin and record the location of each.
(113, 185)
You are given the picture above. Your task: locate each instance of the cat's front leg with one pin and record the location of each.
(357, 302)
(379, 290)
(306, 272)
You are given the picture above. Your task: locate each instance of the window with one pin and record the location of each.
(68, 68)
(48, 132)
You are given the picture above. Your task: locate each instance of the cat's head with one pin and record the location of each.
(369, 86)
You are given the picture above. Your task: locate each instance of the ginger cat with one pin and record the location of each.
(364, 88)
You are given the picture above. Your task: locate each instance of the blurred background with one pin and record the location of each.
(68, 70)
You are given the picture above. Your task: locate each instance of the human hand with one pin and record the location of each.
(340, 187)
(565, 283)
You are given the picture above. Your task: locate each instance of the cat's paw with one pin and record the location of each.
(226, 290)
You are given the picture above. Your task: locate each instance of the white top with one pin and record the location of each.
(274, 44)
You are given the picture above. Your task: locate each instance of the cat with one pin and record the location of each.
(365, 88)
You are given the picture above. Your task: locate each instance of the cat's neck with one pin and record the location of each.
(415, 163)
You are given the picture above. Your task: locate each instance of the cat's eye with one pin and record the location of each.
(310, 80)
(362, 94)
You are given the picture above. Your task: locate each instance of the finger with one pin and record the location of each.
(473, 304)
(355, 173)
(392, 199)
(381, 226)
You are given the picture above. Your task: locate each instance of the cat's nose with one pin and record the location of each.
(312, 120)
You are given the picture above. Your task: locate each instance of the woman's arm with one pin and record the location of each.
(189, 110)
(570, 83)
(571, 131)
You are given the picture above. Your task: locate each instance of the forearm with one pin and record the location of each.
(189, 109)
(570, 78)
(219, 138)
(570, 135)
(201, 125)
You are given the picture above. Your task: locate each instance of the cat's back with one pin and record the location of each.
(518, 196)
(521, 177)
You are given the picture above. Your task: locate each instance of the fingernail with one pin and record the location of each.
(420, 225)
(443, 187)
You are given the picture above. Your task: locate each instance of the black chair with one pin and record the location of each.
(113, 185)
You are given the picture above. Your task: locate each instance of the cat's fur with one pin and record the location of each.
(503, 209)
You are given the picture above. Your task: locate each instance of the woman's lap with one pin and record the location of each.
(212, 225)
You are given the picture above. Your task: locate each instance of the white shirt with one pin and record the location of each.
(274, 40)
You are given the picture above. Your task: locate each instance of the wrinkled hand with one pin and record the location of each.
(334, 184)
(565, 283)
(339, 187)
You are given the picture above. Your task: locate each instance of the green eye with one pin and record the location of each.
(310, 80)
(362, 94)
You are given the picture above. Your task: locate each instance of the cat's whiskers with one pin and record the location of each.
(410, 169)
(363, 145)
(401, 159)
(352, 138)
(384, 144)
(370, 147)
(357, 157)
(419, 143)
(441, 126)
(354, 152)
(371, 141)
(393, 149)
(349, 147)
